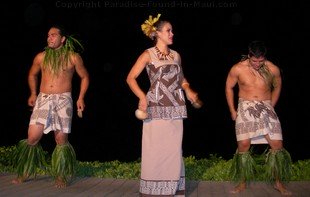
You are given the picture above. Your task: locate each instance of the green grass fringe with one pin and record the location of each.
(27, 159)
(63, 162)
(278, 166)
(242, 168)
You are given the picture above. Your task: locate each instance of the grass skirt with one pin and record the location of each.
(278, 166)
(64, 162)
(27, 159)
(242, 168)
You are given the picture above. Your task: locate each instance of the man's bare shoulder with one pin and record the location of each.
(39, 57)
(271, 65)
(240, 65)
(75, 58)
(40, 54)
(74, 55)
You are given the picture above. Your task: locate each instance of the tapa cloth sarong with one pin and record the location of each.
(162, 167)
(54, 111)
(165, 96)
(256, 119)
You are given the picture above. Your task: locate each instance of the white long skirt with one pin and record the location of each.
(162, 167)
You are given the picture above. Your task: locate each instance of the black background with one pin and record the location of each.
(210, 36)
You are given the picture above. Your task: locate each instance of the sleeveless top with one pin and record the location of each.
(165, 96)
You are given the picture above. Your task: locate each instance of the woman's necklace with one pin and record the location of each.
(163, 56)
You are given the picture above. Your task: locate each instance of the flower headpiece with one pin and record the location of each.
(148, 26)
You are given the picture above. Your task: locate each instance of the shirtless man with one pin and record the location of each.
(52, 108)
(256, 122)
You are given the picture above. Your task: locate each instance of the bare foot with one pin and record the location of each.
(239, 188)
(280, 187)
(60, 183)
(19, 180)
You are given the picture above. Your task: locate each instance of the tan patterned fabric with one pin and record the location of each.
(54, 111)
(162, 167)
(256, 119)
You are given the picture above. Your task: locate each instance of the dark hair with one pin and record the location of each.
(257, 49)
(158, 25)
(62, 30)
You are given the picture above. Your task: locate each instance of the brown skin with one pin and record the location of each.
(253, 87)
(52, 84)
